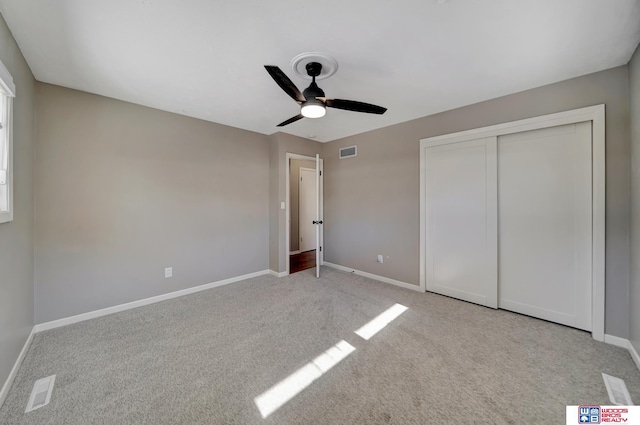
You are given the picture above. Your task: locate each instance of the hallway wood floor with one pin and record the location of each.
(302, 261)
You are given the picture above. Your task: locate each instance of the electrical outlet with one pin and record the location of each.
(380, 258)
(168, 272)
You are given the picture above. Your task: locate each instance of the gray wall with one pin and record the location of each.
(16, 237)
(634, 318)
(279, 145)
(294, 178)
(123, 191)
(372, 201)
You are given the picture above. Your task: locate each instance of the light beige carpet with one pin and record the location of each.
(206, 357)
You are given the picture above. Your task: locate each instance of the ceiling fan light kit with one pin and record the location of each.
(313, 108)
(312, 100)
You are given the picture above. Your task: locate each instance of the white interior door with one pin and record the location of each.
(544, 192)
(461, 221)
(307, 198)
(319, 214)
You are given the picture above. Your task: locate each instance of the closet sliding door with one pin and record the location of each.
(545, 222)
(513, 217)
(461, 220)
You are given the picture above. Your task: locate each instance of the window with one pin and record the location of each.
(7, 92)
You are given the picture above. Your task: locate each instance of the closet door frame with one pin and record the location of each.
(595, 114)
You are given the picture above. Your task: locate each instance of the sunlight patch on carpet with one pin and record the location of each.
(381, 321)
(276, 396)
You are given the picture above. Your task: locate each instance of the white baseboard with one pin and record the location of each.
(146, 301)
(624, 343)
(277, 274)
(374, 277)
(634, 354)
(14, 371)
(616, 340)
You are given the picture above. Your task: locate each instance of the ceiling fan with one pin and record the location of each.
(312, 101)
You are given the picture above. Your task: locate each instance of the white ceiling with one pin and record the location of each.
(204, 58)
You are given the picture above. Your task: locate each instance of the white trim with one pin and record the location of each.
(300, 157)
(423, 221)
(616, 340)
(634, 354)
(6, 80)
(588, 113)
(595, 114)
(624, 343)
(294, 252)
(277, 274)
(16, 366)
(375, 277)
(7, 216)
(598, 217)
(139, 303)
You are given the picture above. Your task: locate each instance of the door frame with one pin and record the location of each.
(595, 114)
(288, 157)
(299, 186)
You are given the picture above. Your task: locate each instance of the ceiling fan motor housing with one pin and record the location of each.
(313, 70)
(313, 91)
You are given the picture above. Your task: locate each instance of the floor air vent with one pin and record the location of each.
(41, 393)
(618, 393)
(349, 152)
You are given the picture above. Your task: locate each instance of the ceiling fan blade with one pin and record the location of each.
(285, 83)
(290, 120)
(352, 105)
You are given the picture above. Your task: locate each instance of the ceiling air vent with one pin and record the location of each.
(349, 152)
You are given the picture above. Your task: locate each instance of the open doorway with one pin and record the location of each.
(304, 235)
